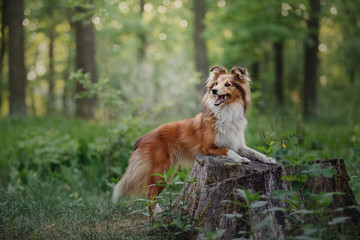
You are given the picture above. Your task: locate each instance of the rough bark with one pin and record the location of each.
(338, 183)
(218, 179)
(85, 60)
(311, 60)
(14, 14)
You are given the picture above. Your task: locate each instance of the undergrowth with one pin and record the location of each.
(56, 174)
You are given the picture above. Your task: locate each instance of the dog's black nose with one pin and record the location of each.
(214, 91)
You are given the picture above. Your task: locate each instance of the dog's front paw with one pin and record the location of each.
(236, 157)
(268, 160)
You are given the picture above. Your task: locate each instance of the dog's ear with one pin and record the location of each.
(241, 73)
(216, 71)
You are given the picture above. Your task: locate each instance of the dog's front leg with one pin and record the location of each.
(255, 155)
(228, 153)
(233, 155)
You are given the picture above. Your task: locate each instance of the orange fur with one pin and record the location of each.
(179, 142)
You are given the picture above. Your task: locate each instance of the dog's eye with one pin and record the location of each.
(227, 85)
(216, 83)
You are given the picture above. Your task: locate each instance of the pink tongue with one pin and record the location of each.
(219, 99)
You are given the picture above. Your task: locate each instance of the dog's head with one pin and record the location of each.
(225, 89)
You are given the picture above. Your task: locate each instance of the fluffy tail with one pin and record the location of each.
(135, 178)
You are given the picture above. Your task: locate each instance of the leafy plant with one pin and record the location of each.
(171, 219)
(251, 201)
(210, 234)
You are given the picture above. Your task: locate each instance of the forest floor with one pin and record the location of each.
(57, 174)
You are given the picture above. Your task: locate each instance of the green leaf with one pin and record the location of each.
(263, 223)
(329, 172)
(296, 185)
(236, 215)
(170, 172)
(139, 211)
(218, 233)
(242, 194)
(253, 196)
(281, 194)
(292, 203)
(258, 204)
(141, 200)
(302, 211)
(179, 223)
(314, 169)
(310, 230)
(288, 177)
(159, 174)
(338, 220)
(183, 175)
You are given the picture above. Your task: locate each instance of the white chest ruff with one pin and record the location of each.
(230, 126)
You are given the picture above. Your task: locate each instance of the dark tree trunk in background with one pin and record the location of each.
(14, 15)
(3, 46)
(85, 60)
(255, 70)
(279, 85)
(352, 75)
(51, 102)
(201, 59)
(255, 77)
(311, 60)
(66, 97)
(142, 36)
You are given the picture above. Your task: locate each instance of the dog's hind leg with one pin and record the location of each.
(156, 184)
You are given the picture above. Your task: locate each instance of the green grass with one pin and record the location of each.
(53, 212)
(56, 174)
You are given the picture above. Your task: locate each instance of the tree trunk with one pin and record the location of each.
(142, 36)
(311, 60)
(51, 100)
(255, 70)
(201, 59)
(14, 14)
(352, 75)
(279, 86)
(85, 60)
(3, 46)
(218, 179)
(338, 183)
(66, 97)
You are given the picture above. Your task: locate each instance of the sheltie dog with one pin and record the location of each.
(218, 130)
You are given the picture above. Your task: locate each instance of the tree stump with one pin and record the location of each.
(218, 179)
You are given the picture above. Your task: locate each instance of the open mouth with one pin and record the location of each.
(221, 99)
